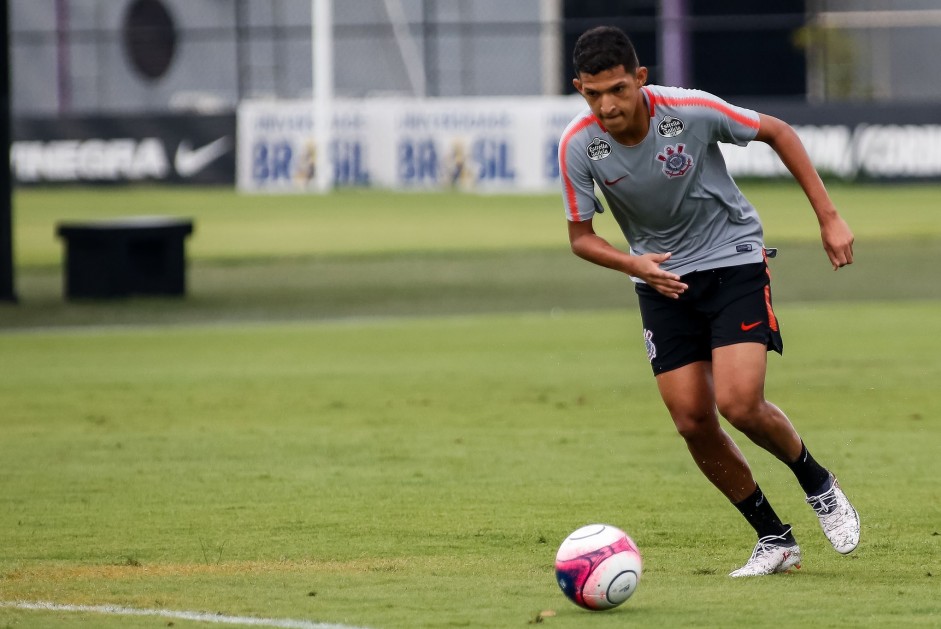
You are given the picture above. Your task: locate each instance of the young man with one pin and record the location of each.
(698, 261)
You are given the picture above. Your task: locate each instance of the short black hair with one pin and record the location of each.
(603, 48)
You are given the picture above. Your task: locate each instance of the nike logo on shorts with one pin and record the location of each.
(748, 326)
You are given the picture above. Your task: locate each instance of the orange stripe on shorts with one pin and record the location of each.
(772, 320)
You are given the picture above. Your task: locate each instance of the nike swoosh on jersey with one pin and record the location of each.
(748, 326)
(614, 181)
(189, 161)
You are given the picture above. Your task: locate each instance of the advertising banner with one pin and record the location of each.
(446, 145)
(174, 149)
(863, 151)
(471, 144)
(487, 145)
(511, 144)
(851, 141)
(277, 148)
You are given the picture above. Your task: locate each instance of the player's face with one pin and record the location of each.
(614, 98)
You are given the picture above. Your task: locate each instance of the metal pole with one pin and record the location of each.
(322, 48)
(550, 17)
(430, 47)
(7, 292)
(242, 75)
(674, 43)
(63, 57)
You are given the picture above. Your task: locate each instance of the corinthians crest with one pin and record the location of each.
(648, 343)
(676, 163)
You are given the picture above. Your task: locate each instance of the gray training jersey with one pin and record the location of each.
(672, 191)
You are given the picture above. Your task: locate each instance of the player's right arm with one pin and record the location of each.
(578, 197)
(588, 245)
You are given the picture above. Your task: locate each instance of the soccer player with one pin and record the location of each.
(699, 265)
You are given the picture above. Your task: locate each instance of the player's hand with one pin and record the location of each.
(837, 242)
(647, 268)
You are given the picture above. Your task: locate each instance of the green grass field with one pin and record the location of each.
(386, 411)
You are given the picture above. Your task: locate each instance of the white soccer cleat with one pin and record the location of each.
(772, 554)
(838, 518)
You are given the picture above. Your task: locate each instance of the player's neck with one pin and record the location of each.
(637, 130)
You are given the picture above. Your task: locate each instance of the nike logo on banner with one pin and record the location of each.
(748, 326)
(614, 181)
(189, 161)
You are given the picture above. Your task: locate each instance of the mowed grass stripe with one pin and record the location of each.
(453, 283)
(233, 226)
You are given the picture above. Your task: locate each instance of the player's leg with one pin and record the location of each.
(689, 396)
(739, 373)
(677, 337)
(744, 329)
(678, 341)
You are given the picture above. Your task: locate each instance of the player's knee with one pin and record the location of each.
(742, 412)
(694, 426)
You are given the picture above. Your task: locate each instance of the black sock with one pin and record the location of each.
(811, 475)
(757, 510)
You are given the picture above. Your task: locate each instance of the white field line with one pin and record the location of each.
(219, 619)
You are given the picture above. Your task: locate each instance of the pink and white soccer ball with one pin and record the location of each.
(598, 566)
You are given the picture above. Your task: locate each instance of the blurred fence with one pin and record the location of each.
(872, 50)
(114, 56)
(109, 91)
(82, 56)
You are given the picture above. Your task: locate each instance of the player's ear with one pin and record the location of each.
(641, 75)
(578, 84)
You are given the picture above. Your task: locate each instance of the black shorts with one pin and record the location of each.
(722, 306)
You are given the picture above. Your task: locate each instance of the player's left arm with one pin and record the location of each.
(835, 233)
